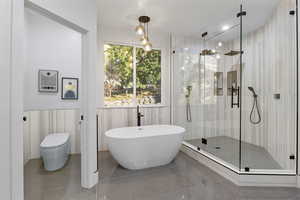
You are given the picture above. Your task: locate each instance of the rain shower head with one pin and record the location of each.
(232, 53)
(207, 52)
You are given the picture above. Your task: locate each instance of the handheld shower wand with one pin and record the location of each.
(253, 92)
(254, 106)
(188, 104)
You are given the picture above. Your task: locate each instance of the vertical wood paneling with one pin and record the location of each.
(42, 123)
(110, 118)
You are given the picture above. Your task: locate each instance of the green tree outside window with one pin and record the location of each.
(119, 88)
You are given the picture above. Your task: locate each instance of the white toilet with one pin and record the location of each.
(55, 150)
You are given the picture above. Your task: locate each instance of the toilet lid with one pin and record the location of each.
(54, 140)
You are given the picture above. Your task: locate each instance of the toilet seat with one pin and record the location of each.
(54, 140)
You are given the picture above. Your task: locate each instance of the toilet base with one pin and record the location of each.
(55, 158)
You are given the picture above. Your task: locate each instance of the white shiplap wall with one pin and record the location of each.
(41, 123)
(110, 118)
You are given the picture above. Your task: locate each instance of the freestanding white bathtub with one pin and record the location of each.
(144, 146)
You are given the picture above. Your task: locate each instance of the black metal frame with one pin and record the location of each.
(39, 80)
(62, 88)
(240, 15)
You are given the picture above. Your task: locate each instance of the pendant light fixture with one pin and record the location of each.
(140, 30)
(143, 30)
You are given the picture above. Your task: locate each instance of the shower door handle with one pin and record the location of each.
(238, 97)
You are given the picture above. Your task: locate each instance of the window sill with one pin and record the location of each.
(133, 107)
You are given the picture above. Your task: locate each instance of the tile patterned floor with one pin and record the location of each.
(184, 178)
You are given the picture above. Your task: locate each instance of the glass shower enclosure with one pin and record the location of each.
(235, 90)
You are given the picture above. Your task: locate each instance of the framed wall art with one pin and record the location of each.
(48, 81)
(69, 90)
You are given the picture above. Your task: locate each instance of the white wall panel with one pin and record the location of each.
(49, 46)
(39, 124)
(110, 118)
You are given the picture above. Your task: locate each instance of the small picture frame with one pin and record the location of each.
(48, 81)
(69, 88)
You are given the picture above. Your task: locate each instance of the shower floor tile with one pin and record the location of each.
(227, 149)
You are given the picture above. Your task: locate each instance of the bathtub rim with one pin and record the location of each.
(181, 130)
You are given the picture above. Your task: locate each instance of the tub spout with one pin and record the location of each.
(139, 115)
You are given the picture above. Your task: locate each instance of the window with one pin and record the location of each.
(132, 76)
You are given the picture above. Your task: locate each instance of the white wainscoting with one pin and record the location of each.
(110, 118)
(44, 122)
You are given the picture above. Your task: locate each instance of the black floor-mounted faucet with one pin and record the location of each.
(139, 115)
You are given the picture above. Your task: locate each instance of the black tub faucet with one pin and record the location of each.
(139, 115)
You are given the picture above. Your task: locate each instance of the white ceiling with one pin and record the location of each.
(184, 17)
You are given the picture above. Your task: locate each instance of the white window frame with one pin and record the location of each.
(134, 62)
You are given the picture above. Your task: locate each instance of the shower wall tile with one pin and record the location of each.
(270, 68)
(268, 65)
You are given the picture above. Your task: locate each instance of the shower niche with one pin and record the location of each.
(218, 78)
(229, 63)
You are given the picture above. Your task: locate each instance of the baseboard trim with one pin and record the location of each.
(243, 179)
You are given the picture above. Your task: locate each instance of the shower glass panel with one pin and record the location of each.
(269, 89)
(219, 75)
(186, 82)
(235, 91)
(206, 93)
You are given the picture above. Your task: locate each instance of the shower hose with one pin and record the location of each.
(255, 107)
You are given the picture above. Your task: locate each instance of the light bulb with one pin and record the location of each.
(144, 40)
(220, 44)
(140, 30)
(148, 46)
(225, 28)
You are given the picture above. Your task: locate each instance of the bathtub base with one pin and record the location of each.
(144, 147)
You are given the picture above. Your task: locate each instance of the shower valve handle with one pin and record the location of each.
(238, 97)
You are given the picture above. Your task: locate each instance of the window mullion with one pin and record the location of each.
(134, 77)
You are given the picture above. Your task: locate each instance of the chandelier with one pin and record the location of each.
(143, 31)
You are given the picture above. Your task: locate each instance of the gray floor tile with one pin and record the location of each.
(182, 179)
